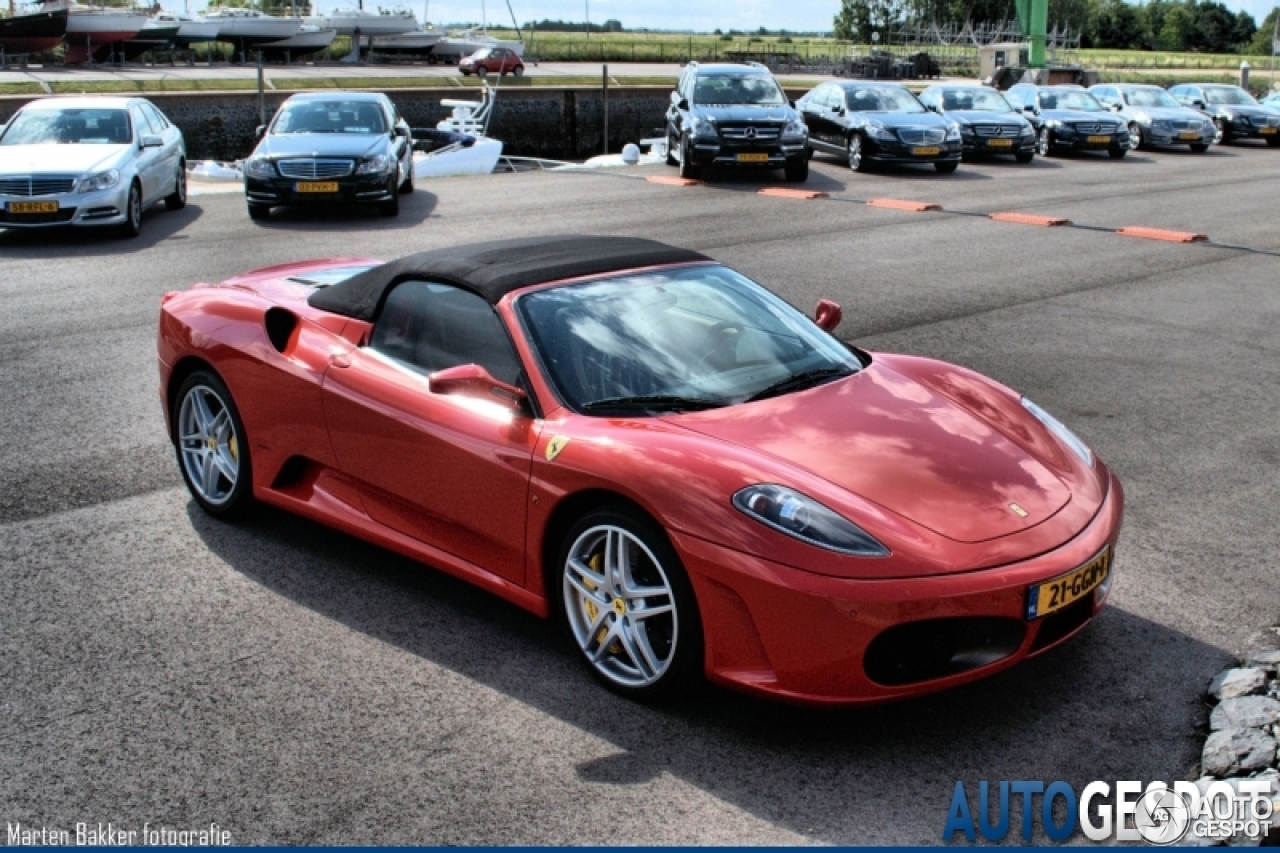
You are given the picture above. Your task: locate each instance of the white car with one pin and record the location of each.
(89, 161)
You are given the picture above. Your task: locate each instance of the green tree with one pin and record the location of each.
(1261, 42)
(1176, 29)
(858, 19)
(1114, 24)
(1244, 30)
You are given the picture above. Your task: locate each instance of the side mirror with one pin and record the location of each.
(474, 380)
(828, 315)
(1117, 107)
(838, 110)
(678, 101)
(1198, 104)
(259, 130)
(400, 130)
(150, 141)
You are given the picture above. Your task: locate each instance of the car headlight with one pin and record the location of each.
(1027, 130)
(1055, 123)
(259, 167)
(877, 131)
(1142, 118)
(101, 181)
(953, 133)
(1069, 438)
(801, 517)
(702, 127)
(1161, 124)
(795, 127)
(375, 165)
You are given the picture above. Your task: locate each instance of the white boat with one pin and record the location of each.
(414, 43)
(308, 40)
(351, 21)
(249, 27)
(90, 28)
(460, 144)
(451, 48)
(190, 30)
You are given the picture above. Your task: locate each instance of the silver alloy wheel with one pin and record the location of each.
(855, 152)
(1219, 131)
(209, 445)
(1042, 142)
(1135, 136)
(620, 606)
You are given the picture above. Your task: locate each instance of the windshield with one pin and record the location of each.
(1069, 99)
(1228, 95)
(1150, 98)
(335, 116)
(719, 89)
(987, 100)
(882, 99)
(70, 126)
(672, 340)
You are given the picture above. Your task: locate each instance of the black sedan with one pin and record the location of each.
(1235, 113)
(331, 148)
(1067, 118)
(870, 122)
(988, 124)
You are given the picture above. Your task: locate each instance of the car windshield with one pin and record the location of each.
(1070, 99)
(987, 100)
(336, 116)
(482, 53)
(1231, 95)
(882, 99)
(678, 339)
(68, 126)
(738, 89)
(1150, 98)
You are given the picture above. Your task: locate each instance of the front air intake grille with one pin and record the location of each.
(1006, 130)
(921, 136)
(1085, 127)
(312, 169)
(751, 132)
(34, 185)
(936, 648)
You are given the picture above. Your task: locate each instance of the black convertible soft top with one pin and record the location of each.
(496, 268)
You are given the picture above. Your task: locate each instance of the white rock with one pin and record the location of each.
(1233, 751)
(1237, 682)
(1268, 659)
(1245, 712)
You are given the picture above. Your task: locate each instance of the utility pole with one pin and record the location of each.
(1275, 39)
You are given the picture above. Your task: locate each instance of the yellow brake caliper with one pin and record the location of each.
(587, 604)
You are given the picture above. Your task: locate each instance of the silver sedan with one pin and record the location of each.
(1154, 117)
(89, 161)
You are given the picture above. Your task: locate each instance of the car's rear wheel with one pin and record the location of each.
(1044, 144)
(857, 160)
(1200, 147)
(1135, 136)
(628, 605)
(259, 212)
(946, 167)
(688, 169)
(212, 450)
(178, 198)
(132, 225)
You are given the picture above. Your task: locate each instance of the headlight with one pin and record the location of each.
(101, 181)
(259, 168)
(953, 133)
(375, 165)
(803, 518)
(1069, 438)
(1055, 123)
(876, 131)
(702, 127)
(1142, 118)
(795, 127)
(1161, 124)
(1027, 130)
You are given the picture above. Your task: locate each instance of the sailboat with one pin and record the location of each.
(31, 29)
(91, 28)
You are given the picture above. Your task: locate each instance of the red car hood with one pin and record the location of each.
(895, 442)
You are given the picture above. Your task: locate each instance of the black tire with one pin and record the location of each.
(132, 225)
(1273, 141)
(177, 199)
(518, 71)
(858, 161)
(946, 167)
(1117, 153)
(1025, 156)
(797, 170)
(671, 150)
(1201, 147)
(239, 498)
(407, 186)
(1044, 143)
(259, 212)
(673, 639)
(688, 169)
(482, 72)
(391, 207)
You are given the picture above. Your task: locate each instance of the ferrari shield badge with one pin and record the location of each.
(555, 445)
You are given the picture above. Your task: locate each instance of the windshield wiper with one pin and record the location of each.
(800, 381)
(653, 402)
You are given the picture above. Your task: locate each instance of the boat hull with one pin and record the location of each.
(24, 34)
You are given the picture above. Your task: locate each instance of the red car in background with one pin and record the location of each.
(492, 59)
(689, 474)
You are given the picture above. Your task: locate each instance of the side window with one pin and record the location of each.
(157, 119)
(430, 327)
(141, 126)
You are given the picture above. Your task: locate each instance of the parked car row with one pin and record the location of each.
(737, 116)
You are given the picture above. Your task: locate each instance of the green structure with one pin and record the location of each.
(1033, 17)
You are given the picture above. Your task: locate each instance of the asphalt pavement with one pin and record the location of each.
(296, 686)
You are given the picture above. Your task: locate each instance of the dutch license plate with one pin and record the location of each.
(1055, 594)
(1189, 134)
(753, 158)
(316, 186)
(927, 151)
(33, 207)
(1267, 130)
(1099, 140)
(999, 143)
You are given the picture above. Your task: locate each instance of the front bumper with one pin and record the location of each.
(983, 144)
(1160, 136)
(103, 207)
(884, 151)
(1244, 129)
(712, 151)
(777, 631)
(351, 189)
(1073, 141)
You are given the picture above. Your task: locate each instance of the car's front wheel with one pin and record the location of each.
(178, 198)
(946, 167)
(1273, 141)
(857, 160)
(1135, 136)
(1044, 143)
(212, 450)
(518, 71)
(688, 169)
(1220, 132)
(628, 605)
(132, 225)
(406, 186)
(481, 71)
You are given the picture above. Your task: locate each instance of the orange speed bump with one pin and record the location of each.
(783, 192)
(1030, 219)
(900, 204)
(673, 181)
(1162, 234)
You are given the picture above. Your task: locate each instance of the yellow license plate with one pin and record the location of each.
(1099, 140)
(1267, 130)
(1055, 594)
(999, 143)
(33, 207)
(1189, 134)
(316, 186)
(753, 158)
(927, 151)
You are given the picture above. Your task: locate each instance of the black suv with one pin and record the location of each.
(734, 115)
